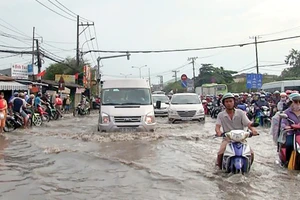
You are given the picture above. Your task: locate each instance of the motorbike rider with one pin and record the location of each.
(19, 105)
(38, 101)
(230, 119)
(219, 99)
(282, 104)
(293, 113)
(261, 102)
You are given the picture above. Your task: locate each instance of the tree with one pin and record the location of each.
(68, 67)
(175, 86)
(293, 72)
(211, 74)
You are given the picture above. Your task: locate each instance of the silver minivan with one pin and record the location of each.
(126, 105)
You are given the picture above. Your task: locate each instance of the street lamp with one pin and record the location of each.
(86, 42)
(125, 75)
(140, 69)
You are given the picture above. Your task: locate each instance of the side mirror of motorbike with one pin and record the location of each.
(283, 116)
(255, 124)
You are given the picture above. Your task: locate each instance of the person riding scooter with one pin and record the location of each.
(231, 119)
(292, 112)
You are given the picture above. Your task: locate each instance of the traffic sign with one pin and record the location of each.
(254, 81)
(183, 77)
(184, 84)
(190, 85)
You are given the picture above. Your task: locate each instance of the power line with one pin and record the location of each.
(72, 11)
(18, 30)
(55, 11)
(194, 49)
(61, 9)
(9, 56)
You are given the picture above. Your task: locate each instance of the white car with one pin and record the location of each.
(163, 110)
(185, 107)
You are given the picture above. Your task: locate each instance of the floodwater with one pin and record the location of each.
(69, 159)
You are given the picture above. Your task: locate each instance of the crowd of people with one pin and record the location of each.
(233, 118)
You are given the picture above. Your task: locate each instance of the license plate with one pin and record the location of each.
(128, 129)
(186, 118)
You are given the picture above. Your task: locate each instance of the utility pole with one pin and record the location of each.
(161, 81)
(256, 55)
(256, 52)
(86, 25)
(149, 77)
(32, 59)
(38, 56)
(193, 62)
(175, 74)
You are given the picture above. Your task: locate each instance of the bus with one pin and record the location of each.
(212, 89)
(281, 86)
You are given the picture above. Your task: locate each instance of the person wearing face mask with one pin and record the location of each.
(293, 113)
(282, 104)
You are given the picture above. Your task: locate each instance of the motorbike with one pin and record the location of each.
(263, 116)
(52, 112)
(282, 151)
(11, 124)
(20, 120)
(215, 111)
(209, 108)
(35, 117)
(81, 109)
(237, 157)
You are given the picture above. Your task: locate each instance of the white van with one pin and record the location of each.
(126, 105)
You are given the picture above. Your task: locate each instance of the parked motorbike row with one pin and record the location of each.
(37, 117)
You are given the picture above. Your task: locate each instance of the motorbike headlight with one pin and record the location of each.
(105, 118)
(149, 118)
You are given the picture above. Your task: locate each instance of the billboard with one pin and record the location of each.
(67, 78)
(19, 71)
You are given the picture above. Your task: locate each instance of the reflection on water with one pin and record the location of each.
(176, 162)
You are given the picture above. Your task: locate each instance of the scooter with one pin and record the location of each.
(263, 117)
(282, 150)
(237, 157)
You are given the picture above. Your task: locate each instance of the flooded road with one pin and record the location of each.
(69, 159)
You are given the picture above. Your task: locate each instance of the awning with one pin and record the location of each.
(12, 85)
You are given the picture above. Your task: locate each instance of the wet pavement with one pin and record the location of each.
(69, 159)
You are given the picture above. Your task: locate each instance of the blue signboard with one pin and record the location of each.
(30, 69)
(254, 81)
(184, 84)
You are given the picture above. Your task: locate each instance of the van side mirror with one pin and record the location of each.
(167, 102)
(158, 104)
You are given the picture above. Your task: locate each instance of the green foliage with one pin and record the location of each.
(210, 74)
(68, 67)
(175, 86)
(293, 72)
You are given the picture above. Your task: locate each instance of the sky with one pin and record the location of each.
(154, 25)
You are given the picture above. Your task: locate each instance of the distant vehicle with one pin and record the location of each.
(126, 105)
(185, 107)
(212, 89)
(281, 86)
(163, 110)
(158, 92)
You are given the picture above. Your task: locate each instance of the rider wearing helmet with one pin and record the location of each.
(220, 96)
(261, 102)
(230, 119)
(282, 104)
(292, 112)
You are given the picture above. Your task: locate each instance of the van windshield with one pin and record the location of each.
(126, 96)
(185, 99)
